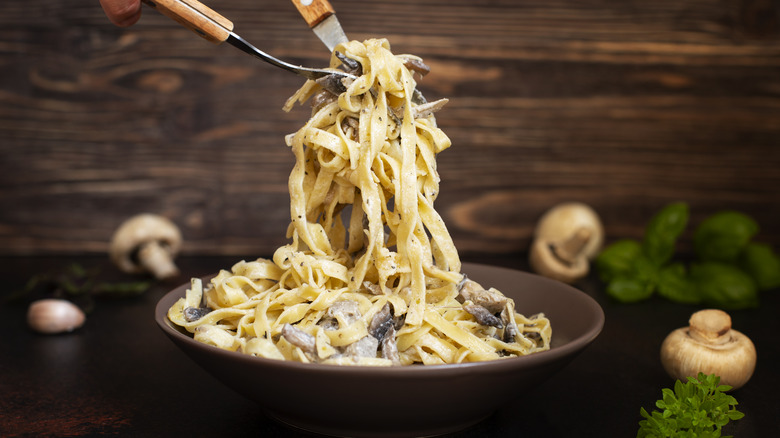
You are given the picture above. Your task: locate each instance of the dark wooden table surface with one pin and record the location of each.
(625, 105)
(120, 376)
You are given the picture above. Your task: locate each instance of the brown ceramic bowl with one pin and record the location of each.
(418, 400)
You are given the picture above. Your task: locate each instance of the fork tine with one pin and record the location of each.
(308, 73)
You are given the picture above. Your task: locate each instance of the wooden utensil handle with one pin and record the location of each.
(314, 11)
(195, 16)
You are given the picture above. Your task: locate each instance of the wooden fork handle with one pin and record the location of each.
(195, 16)
(314, 11)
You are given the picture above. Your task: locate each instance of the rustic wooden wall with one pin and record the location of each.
(623, 104)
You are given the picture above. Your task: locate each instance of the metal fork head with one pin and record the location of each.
(306, 72)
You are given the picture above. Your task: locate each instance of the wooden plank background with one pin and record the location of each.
(625, 105)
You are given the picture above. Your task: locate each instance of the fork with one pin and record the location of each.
(217, 29)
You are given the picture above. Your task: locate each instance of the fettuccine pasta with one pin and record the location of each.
(371, 275)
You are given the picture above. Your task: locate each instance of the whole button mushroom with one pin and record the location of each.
(709, 345)
(566, 239)
(147, 243)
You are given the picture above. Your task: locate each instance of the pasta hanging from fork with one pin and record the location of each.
(371, 275)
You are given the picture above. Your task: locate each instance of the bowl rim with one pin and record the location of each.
(571, 347)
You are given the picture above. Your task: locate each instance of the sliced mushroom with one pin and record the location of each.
(491, 299)
(195, 313)
(381, 322)
(365, 347)
(416, 64)
(389, 346)
(300, 339)
(483, 315)
(373, 288)
(350, 65)
(147, 243)
(321, 98)
(709, 345)
(345, 312)
(511, 330)
(426, 109)
(332, 83)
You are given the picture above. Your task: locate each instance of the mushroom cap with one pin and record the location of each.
(139, 230)
(690, 350)
(545, 262)
(563, 220)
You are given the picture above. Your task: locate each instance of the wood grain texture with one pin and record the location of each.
(625, 105)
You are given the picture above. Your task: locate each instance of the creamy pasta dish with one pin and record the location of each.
(370, 275)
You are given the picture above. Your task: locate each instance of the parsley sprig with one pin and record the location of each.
(699, 408)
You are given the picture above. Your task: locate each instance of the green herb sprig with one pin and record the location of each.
(699, 408)
(78, 284)
(729, 271)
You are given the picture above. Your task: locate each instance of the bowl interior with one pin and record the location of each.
(423, 400)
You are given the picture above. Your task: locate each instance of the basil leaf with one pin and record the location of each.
(723, 236)
(663, 230)
(724, 285)
(645, 270)
(629, 290)
(763, 264)
(617, 259)
(674, 285)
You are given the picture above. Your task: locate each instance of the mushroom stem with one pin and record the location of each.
(157, 260)
(710, 326)
(570, 249)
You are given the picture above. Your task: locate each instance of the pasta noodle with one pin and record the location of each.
(371, 275)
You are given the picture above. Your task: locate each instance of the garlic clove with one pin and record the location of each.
(53, 315)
